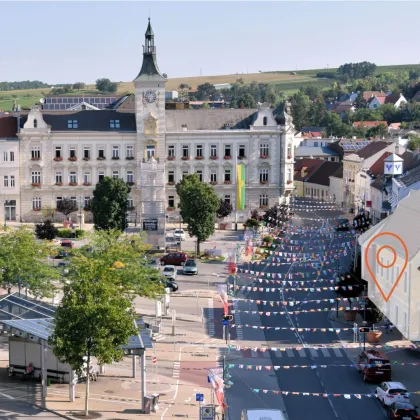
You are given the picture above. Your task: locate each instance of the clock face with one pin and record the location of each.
(150, 96)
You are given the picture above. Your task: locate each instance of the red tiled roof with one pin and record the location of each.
(8, 127)
(369, 93)
(392, 99)
(311, 165)
(395, 125)
(378, 167)
(381, 99)
(371, 149)
(369, 124)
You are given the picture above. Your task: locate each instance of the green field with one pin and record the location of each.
(287, 81)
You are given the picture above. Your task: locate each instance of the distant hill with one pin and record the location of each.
(288, 81)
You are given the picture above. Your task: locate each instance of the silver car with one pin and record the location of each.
(169, 272)
(190, 267)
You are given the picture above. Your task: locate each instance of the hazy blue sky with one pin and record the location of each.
(60, 42)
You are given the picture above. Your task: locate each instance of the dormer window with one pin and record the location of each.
(114, 123)
(265, 121)
(72, 124)
(35, 123)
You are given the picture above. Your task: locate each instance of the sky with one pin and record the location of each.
(65, 42)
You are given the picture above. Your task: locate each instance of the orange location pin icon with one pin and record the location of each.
(388, 266)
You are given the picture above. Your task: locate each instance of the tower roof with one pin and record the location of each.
(149, 30)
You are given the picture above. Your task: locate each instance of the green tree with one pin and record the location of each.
(246, 101)
(66, 206)
(23, 262)
(109, 204)
(46, 230)
(301, 106)
(205, 91)
(105, 85)
(78, 86)
(199, 204)
(224, 210)
(379, 131)
(413, 142)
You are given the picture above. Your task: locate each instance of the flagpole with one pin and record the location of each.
(236, 195)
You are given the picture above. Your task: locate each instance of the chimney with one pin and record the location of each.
(397, 148)
(184, 127)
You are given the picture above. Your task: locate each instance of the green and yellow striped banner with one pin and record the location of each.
(240, 187)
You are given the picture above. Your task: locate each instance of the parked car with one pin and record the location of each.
(390, 392)
(154, 263)
(172, 285)
(169, 272)
(190, 267)
(342, 224)
(61, 254)
(179, 234)
(375, 366)
(66, 243)
(403, 411)
(174, 258)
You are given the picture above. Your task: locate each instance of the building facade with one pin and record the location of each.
(66, 154)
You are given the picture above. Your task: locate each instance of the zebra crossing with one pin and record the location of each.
(289, 353)
(237, 318)
(210, 320)
(176, 370)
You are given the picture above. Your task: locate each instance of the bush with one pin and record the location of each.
(373, 314)
(69, 234)
(268, 238)
(46, 230)
(252, 223)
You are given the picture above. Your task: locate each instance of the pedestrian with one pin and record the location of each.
(387, 325)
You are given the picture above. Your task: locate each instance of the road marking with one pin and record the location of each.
(337, 352)
(7, 396)
(278, 354)
(325, 353)
(313, 352)
(290, 353)
(302, 353)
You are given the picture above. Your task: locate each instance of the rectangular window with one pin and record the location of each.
(74, 200)
(242, 153)
(405, 281)
(171, 201)
(398, 274)
(185, 151)
(115, 152)
(58, 177)
(227, 175)
(5, 180)
(315, 144)
(36, 153)
(12, 156)
(129, 152)
(213, 176)
(36, 203)
(86, 153)
(58, 151)
(114, 123)
(5, 156)
(171, 176)
(289, 151)
(264, 150)
(73, 177)
(289, 174)
(396, 316)
(130, 203)
(36, 177)
(130, 176)
(101, 176)
(86, 178)
(87, 202)
(263, 175)
(387, 272)
(184, 173)
(382, 268)
(72, 124)
(115, 174)
(200, 175)
(228, 150)
(227, 198)
(57, 200)
(72, 152)
(199, 150)
(405, 321)
(171, 151)
(213, 150)
(263, 200)
(12, 180)
(101, 153)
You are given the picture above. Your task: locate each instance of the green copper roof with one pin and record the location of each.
(149, 30)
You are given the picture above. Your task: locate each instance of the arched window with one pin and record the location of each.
(35, 123)
(265, 120)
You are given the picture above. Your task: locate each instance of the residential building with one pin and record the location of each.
(375, 102)
(171, 95)
(152, 148)
(9, 171)
(336, 187)
(347, 146)
(403, 307)
(304, 168)
(369, 124)
(396, 99)
(360, 160)
(317, 185)
(72, 102)
(317, 142)
(316, 152)
(402, 185)
(343, 107)
(368, 94)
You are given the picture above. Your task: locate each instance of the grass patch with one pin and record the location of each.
(210, 258)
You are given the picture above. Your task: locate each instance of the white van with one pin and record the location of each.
(262, 414)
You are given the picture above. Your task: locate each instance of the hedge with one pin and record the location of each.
(69, 234)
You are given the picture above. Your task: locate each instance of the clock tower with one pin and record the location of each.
(150, 197)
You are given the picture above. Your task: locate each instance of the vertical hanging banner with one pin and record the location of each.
(222, 291)
(240, 186)
(215, 376)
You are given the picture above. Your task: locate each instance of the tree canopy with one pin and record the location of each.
(46, 230)
(199, 204)
(224, 210)
(206, 91)
(105, 85)
(66, 206)
(109, 204)
(357, 70)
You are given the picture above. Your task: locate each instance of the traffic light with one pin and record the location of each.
(364, 329)
(227, 317)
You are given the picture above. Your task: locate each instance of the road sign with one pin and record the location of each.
(207, 412)
(154, 360)
(227, 317)
(199, 397)
(225, 322)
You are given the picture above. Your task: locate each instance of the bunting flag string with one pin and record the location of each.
(263, 327)
(311, 240)
(302, 282)
(295, 302)
(316, 394)
(262, 313)
(302, 256)
(315, 266)
(319, 346)
(291, 248)
(306, 206)
(351, 365)
(291, 289)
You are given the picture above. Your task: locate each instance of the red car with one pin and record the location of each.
(174, 258)
(67, 243)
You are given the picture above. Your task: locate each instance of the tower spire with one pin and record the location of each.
(149, 66)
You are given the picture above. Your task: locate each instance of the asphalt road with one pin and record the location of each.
(329, 380)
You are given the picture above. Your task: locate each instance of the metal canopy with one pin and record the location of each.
(37, 319)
